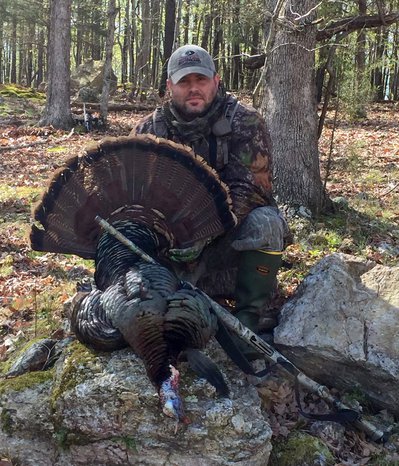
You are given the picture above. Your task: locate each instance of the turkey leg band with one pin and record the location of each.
(264, 348)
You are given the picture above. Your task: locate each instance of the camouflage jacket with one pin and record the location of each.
(247, 171)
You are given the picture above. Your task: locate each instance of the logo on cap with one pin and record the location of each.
(188, 58)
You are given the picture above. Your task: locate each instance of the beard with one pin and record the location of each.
(189, 113)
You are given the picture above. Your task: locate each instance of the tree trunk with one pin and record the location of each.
(176, 40)
(143, 58)
(394, 82)
(255, 47)
(13, 76)
(170, 22)
(58, 108)
(378, 73)
(360, 65)
(196, 26)
(127, 41)
(79, 34)
(206, 31)
(96, 33)
(29, 63)
(217, 37)
(132, 74)
(289, 107)
(40, 59)
(156, 41)
(21, 75)
(112, 12)
(236, 61)
(186, 23)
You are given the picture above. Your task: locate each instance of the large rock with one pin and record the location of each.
(342, 327)
(101, 410)
(88, 79)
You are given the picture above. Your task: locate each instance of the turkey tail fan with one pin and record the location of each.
(143, 178)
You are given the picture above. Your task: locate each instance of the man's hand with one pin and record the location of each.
(188, 254)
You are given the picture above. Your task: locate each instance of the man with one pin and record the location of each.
(233, 139)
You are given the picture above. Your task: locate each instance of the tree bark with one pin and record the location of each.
(290, 109)
(206, 31)
(236, 61)
(176, 39)
(186, 22)
(132, 74)
(29, 62)
(13, 76)
(170, 22)
(80, 26)
(58, 110)
(21, 55)
(394, 82)
(156, 41)
(143, 58)
(96, 33)
(378, 81)
(40, 59)
(360, 64)
(217, 44)
(125, 43)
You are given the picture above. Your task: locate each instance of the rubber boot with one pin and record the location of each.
(256, 284)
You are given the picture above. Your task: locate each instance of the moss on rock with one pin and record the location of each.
(24, 381)
(74, 370)
(6, 422)
(300, 449)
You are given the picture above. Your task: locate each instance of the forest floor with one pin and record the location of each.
(363, 178)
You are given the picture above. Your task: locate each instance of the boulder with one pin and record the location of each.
(342, 327)
(100, 410)
(89, 76)
(301, 448)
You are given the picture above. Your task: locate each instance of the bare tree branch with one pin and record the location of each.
(347, 25)
(354, 23)
(299, 17)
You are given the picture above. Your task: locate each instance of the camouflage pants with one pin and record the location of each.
(216, 270)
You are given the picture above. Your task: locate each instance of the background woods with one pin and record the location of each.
(147, 30)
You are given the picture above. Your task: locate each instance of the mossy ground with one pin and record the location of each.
(20, 102)
(21, 92)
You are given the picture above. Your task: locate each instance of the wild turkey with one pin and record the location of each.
(160, 196)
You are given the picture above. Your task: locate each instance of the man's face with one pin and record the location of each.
(193, 94)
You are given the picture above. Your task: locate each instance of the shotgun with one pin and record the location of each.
(266, 350)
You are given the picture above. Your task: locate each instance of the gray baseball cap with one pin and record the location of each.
(190, 59)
